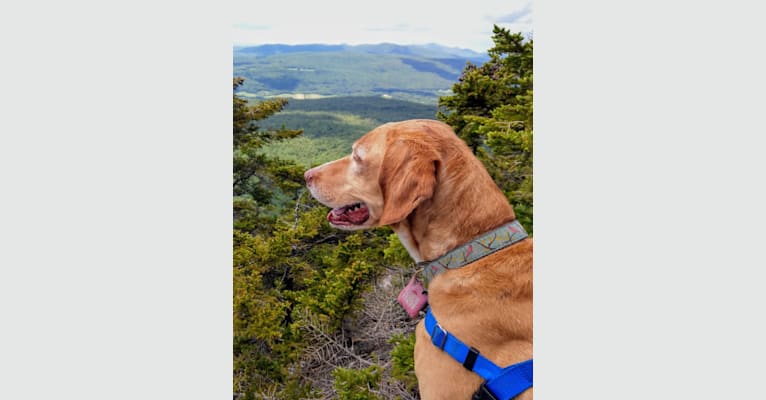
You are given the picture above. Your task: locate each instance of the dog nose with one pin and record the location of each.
(308, 176)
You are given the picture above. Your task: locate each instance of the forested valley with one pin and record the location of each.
(314, 308)
(331, 124)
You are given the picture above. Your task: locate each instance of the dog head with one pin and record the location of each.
(391, 171)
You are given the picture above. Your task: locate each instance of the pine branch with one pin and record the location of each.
(317, 329)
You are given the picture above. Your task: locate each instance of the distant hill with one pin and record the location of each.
(330, 125)
(271, 49)
(432, 50)
(418, 73)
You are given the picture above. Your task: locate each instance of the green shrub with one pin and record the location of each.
(403, 361)
(395, 253)
(357, 384)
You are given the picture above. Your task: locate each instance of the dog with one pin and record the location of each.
(422, 180)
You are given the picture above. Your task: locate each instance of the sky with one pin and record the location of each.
(465, 25)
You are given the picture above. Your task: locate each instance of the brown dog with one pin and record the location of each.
(419, 178)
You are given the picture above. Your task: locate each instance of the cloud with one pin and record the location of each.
(516, 16)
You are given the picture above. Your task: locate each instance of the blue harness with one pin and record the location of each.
(499, 383)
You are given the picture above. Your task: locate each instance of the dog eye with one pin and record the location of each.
(356, 158)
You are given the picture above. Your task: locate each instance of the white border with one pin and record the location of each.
(649, 200)
(115, 218)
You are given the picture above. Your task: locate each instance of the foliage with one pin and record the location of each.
(491, 110)
(375, 108)
(257, 176)
(395, 253)
(299, 266)
(351, 384)
(343, 272)
(403, 362)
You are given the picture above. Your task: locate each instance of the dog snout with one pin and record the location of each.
(309, 175)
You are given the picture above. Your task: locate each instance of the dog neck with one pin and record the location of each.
(404, 232)
(445, 221)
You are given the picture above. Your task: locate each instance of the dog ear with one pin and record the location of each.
(407, 178)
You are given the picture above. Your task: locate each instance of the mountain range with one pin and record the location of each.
(419, 73)
(430, 50)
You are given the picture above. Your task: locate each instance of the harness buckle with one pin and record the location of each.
(438, 336)
(483, 393)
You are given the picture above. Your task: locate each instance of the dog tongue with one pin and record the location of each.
(359, 215)
(344, 215)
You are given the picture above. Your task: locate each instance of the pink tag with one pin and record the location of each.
(413, 297)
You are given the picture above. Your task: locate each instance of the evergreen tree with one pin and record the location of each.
(491, 110)
(259, 179)
(295, 279)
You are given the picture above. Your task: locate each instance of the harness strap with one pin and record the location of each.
(459, 350)
(512, 381)
(500, 383)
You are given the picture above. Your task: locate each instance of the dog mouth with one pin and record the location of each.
(350, 215)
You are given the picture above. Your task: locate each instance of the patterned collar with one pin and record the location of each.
(482, 246)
